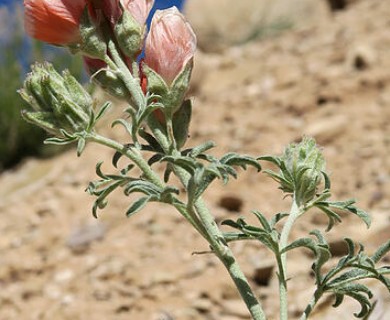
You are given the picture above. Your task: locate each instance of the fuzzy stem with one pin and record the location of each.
(282, 261)
(133, 154)
(216, 240)
(124, 73)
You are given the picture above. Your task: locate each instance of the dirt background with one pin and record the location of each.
(329, 78)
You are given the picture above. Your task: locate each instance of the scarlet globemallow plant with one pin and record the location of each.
(62, 107)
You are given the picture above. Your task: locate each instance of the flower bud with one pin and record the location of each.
(170, 44)
(58, 102)
(128, 18)
(92, 43)
(302, 170)
(169, 51)
(139, 10)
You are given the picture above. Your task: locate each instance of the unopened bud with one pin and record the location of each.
(303, 167)
(92, 42)
(58, 102)
(168, 70)
(129, 34)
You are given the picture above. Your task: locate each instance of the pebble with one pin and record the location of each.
(262, 274)
(162, 316)
(325, 131)
(81, 237)
(63, 276)
(203, 305)
(231, 203)
(338, 248)
(52, 291)
(361, 57)
(108, 269)
(235, 308)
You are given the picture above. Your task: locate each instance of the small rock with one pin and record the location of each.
(162, 316)
(101, 295)
(67, 299)
(123, 308)
(108, 269)
(80, 238)
(326, 130)
(235, 308)
(52, 291)
(163, 278)
(203, 305)
(361, 57)
(263, 274)
(63, 276)
(338, 248)
(231, 203)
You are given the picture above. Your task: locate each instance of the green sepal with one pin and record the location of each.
(92, 42)
(76, 91)
(181, 121)
(180, 85)
(129, 34)
(156, 84)
(43, 119)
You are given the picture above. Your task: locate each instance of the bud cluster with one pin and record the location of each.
(58, 101)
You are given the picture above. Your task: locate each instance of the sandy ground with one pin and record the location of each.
(331, 81)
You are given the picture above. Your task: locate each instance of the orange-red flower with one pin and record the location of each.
(170, 44)
(54, 21)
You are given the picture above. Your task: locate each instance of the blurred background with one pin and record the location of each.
(266, 73)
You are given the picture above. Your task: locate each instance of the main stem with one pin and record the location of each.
(282, 260)
(216, 240)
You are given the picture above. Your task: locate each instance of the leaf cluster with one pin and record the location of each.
(342, 280)
(109, 182)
